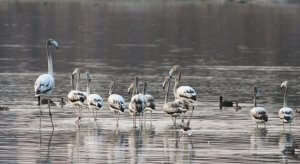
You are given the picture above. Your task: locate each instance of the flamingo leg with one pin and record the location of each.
(39, 100)
(74, 111)
(50, 114)
(172, 119)
(39, 103)
(141, 116)
(96, 114)
(145, 117)
(79, 117)
(118, 117)
(175, 121)
(151, 117)
(93, 111)
(134, 120)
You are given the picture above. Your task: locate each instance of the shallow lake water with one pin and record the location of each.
(225, 47)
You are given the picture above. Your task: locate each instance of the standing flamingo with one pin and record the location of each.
(94, 101)
(116, 103)
(185, 93)
(45, 83)
(286, 114)
(137, 103)
(259, 114)
(174, 108)
(76, 97)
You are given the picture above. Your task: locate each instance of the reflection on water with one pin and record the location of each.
(225, 47)
(259, 139)
(287, 145)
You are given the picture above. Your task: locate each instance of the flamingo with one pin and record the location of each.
(94, 101)
(286, 114)
(137, 103)
(185, 93)
(76, 97)
(45, 83)
(174, 108)
(150, 105)
(116, 103)
(259, 114)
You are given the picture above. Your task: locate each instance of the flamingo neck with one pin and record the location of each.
(110, 90)
(254, 100)
(189, 120)
(72, 82)
(168, 88)
(145, 88)
(50, 61)
(136, 91)
(285, 98)
(77, 81)
(88, 87)
(175, 87)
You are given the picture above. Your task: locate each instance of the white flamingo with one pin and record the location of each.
(76, 97)
(150, 105)
(94, 101)
(45, 83)
(137, 103)
(116, 103)
(258, 114)
(286, 114)
(174, 108)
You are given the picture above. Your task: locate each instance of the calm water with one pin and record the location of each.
(225, 48)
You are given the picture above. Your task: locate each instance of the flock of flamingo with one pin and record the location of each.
(141, 102)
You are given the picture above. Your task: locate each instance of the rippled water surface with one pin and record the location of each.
(225, 47)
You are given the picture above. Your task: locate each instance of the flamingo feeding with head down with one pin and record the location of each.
(258, 114)
(116, 103)
(94, 101)
(45, 83)
(137, 103)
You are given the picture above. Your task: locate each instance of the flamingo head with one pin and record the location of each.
(174, 70)
(52, 42)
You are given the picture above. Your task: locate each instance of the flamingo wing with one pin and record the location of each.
(95, 100)
(44, 84)
(76, 96)
(116, 102)
(186, 92)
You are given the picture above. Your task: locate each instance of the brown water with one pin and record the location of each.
(224, 47)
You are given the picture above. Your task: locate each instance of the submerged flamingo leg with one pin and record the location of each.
(50, 114)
